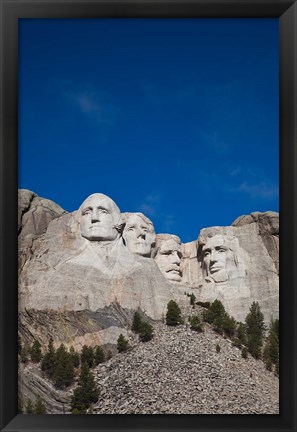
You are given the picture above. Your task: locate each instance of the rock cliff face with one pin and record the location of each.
(237, 265)
(268, 228)
(34, 215)
(80, 283)
(82, 275)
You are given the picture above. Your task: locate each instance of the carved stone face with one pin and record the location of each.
(139, 234)
(98, 217)
(218, 258)
(168, 257)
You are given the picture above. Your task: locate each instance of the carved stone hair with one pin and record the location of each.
(119, 222)
(160, 238)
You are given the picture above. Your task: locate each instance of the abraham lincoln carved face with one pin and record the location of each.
(219, 259)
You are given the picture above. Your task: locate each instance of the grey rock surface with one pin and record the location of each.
(268, 224)
(71, 273)
(34, 215)
(32, 383)
(180, 372)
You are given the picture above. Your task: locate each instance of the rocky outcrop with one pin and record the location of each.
(75, 328)
(237, 265)
(34, 215)
(32, 384)
(268, 228)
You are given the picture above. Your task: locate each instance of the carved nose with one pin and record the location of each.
(176, 259)
(213, 259)
(95, 216)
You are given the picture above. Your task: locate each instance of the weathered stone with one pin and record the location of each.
(34, 215)
(168, 256)
(33, 384)
(268, 223)
(139, 234)
(72, 272)
(189, 265)
(246, 274)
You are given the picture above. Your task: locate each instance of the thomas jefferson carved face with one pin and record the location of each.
(139, 234)
(218, 258)
(99, 218)
(168, 256)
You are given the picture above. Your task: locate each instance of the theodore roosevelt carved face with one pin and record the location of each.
(99, 218)
(168, 256)
(139, 234)
(219, 259)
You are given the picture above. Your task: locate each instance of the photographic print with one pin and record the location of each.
(148, 224)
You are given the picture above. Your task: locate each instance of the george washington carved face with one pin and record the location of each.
(139, 234)
(99, 218)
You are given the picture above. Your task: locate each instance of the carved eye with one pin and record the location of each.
(222, 250)
(86, 212)
(103, 211)
(131, 229)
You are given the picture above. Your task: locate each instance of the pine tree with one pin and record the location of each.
(216, 311)
(25, 354)
(63, 374)
(136, 322)
(99, 356)
(75, 411)
(36, 352)
(244, 353)
(195, 323)
(86, 392)
(275, 327)
(271, 348)
(48, 361)
(122, 343)
(29, 407)
(87, 356)
(173, 315)
(229, 325)
(241, 333)
(255, 330)
(146, 331)
(74, 357)
(39, 406)
(192, 300)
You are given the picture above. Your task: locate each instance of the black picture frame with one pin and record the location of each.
(286, 12)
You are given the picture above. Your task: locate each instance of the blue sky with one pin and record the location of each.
(177, 118)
